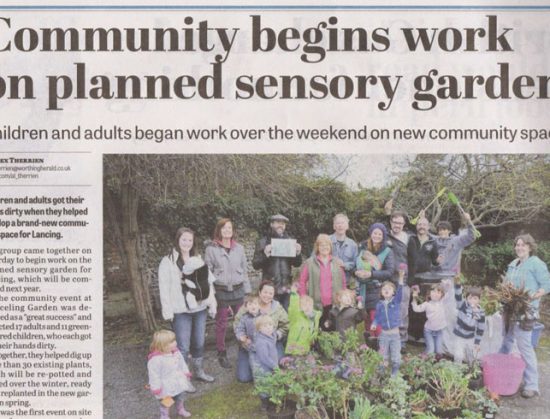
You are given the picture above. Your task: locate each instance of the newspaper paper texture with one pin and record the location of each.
(91, 91)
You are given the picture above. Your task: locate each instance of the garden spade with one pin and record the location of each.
(454, 200)
(438, 195)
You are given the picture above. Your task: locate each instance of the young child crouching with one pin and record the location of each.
(168, 373)
(387, 315)
(264, 354)
(470, 323)
(303, 323)
(245, 330)
(344, 315)
(436, 321)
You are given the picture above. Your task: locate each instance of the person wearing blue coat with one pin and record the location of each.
(532, 273)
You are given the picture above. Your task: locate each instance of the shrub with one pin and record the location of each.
(483, 264)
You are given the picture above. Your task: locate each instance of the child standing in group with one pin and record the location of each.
(168, 373)
(245, 330)
(436, 320)
(303, 323)
(470, 323)
(344, 315)
(387, 315)
(264, 354)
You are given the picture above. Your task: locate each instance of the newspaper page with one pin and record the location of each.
(123, 121)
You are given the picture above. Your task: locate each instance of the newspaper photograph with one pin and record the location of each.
(297, 209)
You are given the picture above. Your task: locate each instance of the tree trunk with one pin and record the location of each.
(126, 232)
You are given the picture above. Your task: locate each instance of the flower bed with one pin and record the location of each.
(344, 379)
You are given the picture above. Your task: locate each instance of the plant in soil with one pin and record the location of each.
(417, 371)
(419, 401)
(394, 396)
(329, 344)
(449, 386)
(279, 386)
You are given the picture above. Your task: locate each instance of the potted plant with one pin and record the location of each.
(280, 387)
(475, 375)
(449, 385)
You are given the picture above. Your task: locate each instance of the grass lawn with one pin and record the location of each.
(232, 401)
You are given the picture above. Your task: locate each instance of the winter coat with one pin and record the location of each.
(421, 257)
(451, 248)
(347, 252)
(435, 314)
(302, 329)
(321, 281)
(388, 315)
(230, 269)
(172, 298)
(278, 269)
(470, 324)
(399, 250)
(369, 288)
(342, 319)
(246, 326)
(167, 374)
(277, 313)
(264, 356)
(532, 273)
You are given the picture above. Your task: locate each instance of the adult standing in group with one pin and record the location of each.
(422, 251)
(272, 308)
(227, 261)
(322, 277)
(422, 255)
(398, 241)
(277, 268)
(528, 271)
(344, 249)
(187, 295)
(375, 264)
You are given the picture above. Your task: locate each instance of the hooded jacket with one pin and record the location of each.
(302, 329)
(451, 248)
(172, 298)
(167, 374)
(264, 355)
(277, 313)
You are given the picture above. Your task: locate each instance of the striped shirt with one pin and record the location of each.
(470, 324)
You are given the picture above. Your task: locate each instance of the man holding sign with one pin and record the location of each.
(275, 258)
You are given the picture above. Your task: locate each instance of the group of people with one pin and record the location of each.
(340, 284)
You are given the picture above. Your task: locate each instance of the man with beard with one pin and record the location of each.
(276, 268)
(422, 255)
(422, 251)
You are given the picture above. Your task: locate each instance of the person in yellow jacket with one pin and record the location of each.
(303, 322)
